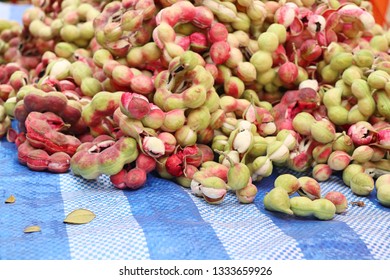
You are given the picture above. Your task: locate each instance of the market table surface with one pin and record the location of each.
(164, 221)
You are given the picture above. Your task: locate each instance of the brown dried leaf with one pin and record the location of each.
(10, 199)
(79, 216)
(32, 229)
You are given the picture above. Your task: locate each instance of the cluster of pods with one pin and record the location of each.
(211, 94)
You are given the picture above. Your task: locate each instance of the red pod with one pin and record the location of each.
(135, 178)
(175, 164)
(118, 180)
(38, 160)
(207, 152)
(134, 105)
(184, 42)
(12, 135)
(192, 155)
(288, 72)
(309, 187)
(310, 50)
(23, 150)
(20, 139)
(169, 141)
(142, 84)
(145, 162)
(339, 200)
(220, 52)
(59, 162)
(299, 161)
(198, 42)
(217, 33)
(279, 55)
(203, 17)
(361, 133)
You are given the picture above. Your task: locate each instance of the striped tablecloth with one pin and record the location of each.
(164, 221)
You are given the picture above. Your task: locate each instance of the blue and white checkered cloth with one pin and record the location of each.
(164, 221)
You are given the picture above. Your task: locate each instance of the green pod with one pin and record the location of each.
(332, 97)
(80, 70)
(345, 89)
(367, 106)
(288, 138)
(195, 96)
(259, 147)
(70, 33)
(171, 102)
(174, 120)
(362, 184)
(301, 206)
(341, 61)
(332, 49)
(323, 131)
(212, 100)
(83, 9)
(3, 114)
(277, 200)
(278, 152)
(387, 89)
(329, 75)
(9, 106)
(268, 41)
(189, 60)
(360, 88)
(288, 182)
(262, 61)
(350, 171)
(59, 69)
(112, 159)
(279, 30)
(64, 49)
(338, 115)
(323, 209)
(343, 142)
(378, 79)
(383, 189)
(242, 22)
(101, 56)
(364, 58)
(383, 104)
(247, 194)
(379, 43)
(262, 166)
(266, 77)
(351, 74)
(199, 118)
(302, 123)
(246, 72)
(90, 86)
(252, 96)
(238, 176)
(87, 31)
(219, 142)
(355, 116)
(185, 136)
(213, 189)
(56, 26)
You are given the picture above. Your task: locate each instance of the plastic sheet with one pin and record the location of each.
(164, 221)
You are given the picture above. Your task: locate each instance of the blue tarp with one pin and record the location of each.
(164, 221)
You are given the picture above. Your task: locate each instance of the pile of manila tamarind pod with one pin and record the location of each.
(211, 94)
